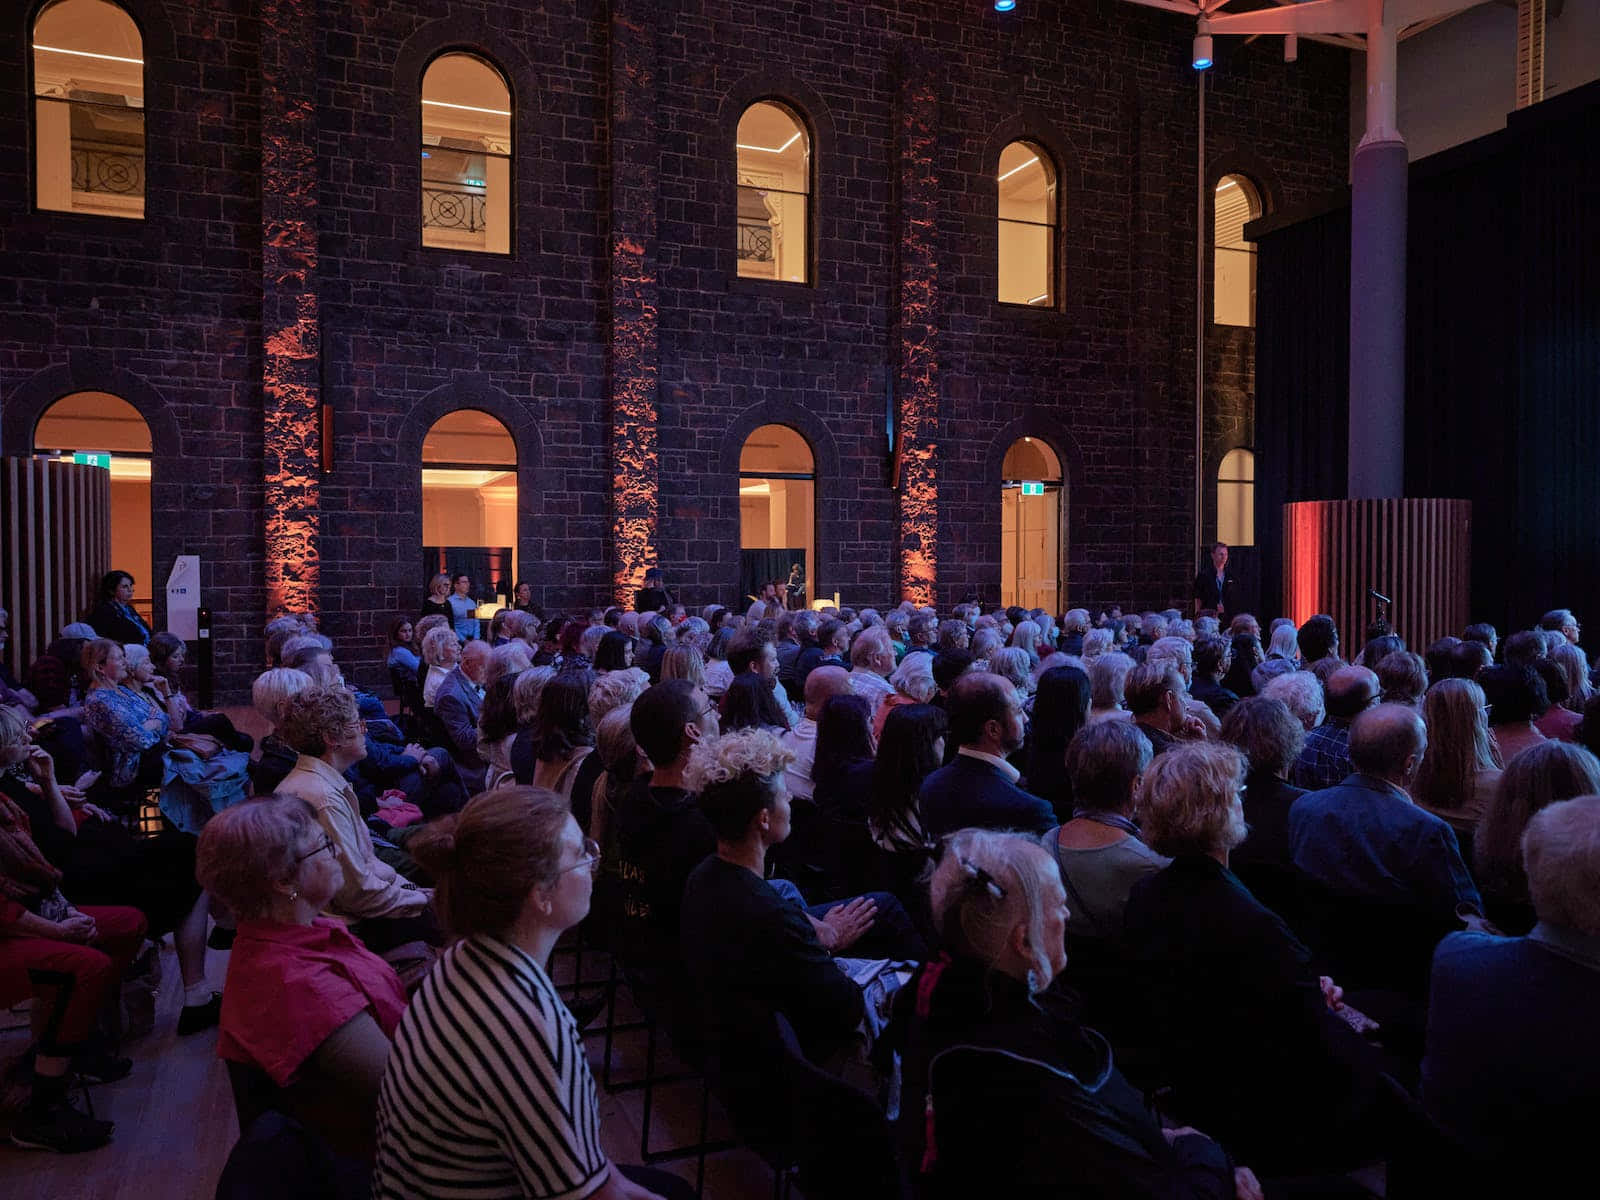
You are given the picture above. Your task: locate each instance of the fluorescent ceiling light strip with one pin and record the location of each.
(138, 62)
(1015, 169)
(497, 112)
(1039, 297)
(771, 149)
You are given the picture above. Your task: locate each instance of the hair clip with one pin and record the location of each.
(978, 878)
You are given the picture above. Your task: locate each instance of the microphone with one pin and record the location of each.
(1379, 596)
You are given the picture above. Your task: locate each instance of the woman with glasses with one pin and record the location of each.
(488, 1090)
(305, 1002)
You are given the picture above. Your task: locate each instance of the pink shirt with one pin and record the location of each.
(290, 986)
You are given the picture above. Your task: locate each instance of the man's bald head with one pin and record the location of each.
(1387, 742)
(822, 684)
(1351, 691)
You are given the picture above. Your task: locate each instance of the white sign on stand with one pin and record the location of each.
(183, 597)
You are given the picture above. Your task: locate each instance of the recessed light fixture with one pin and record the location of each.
(138, 62)
(771, 149)
(494, 112)
(1015, 169)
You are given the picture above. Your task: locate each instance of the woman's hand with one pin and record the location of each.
(844, 924)
(41, 766)
(77, 928)
(1332, 993)
(1246, 1186)
(161, 687)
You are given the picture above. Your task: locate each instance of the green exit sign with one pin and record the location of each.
(93, 460)
(1032, 487)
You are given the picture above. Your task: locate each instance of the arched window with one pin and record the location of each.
(469, 504)
(774, 169)
(778, 513)
(99, 428)
(466, 155)
(1233, 262)
(1236, 498)
(1032, 506)
(88, 107)
(1026, 182)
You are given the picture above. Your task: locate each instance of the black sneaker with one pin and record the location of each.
(197, 1017)
(61, 1129)
(100, 1066)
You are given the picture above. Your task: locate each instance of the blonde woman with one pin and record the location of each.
(1461, 766)
(441, 650)
(437, 601)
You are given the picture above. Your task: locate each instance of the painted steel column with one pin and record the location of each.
(1379, 181)
(291, 327)
(916, 324)
(635, 286)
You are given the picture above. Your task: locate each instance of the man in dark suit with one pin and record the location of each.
(979, 788)
(458, 703)
(1214, 586)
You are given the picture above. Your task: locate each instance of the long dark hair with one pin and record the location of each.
(611, 655)
(562, 723)
(1246, 656)
(844, 738)
(498, 717)
(906, 756)
(1060, 709)
(749, 703)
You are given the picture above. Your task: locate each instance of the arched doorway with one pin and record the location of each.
(1032, 507)
(777, 512)
(107, 431)
(469, 504)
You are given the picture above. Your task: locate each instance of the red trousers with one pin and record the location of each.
(70, 980)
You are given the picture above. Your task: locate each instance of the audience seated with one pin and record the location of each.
(1245, 655)
(1268, 735)
(305, 1002)
(1461, 765)
(1402, 678)
(1512, 1068)
(913, 683)
(402, 658)
(322, 725)
(872, 661)
(1108, 680)
(441, 652)
(749, 703)
(71, 960)
(1300, 692)
(841, 773)
(979, 788)
(1283, 654)
(1365, 837)
(1155, 697)
(1099, 850)
(1325, 759)
(488, 1088)
(459, 703)
(1247, 1025)
(1532, 781)
(1001, 1081)
(910, 749)
(1213, 658)
(1317, 640)
(1558, 721)
(552, 752)
(130, 729)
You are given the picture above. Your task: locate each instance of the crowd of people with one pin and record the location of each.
(1013, 876)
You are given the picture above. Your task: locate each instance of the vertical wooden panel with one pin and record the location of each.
(1416, 552)
(55, 544)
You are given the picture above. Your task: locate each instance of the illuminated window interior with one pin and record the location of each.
(1031, 499)
(466, 155)
(1233, 258)
(108, 431)
(774, 168)
(469, 490)
(1026, 181)
(778, 497)
(88, 88)
(1236, 498)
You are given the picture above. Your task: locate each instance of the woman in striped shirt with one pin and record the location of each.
(488, 1091)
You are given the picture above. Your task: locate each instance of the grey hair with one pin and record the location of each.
(526, 691)
(513, 658)
(1013, 665)
(1285, 641)
(1075, 620)
(1108, 676)
(914, 678)
(1097, 642)
(1301, 693)
(986, 884)
(1561, 853)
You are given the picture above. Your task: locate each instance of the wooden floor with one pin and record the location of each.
(176, 1125)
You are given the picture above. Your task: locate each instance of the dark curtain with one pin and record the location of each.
(757, 567)
(489, 567)
(1502, 358)
(1302, 379)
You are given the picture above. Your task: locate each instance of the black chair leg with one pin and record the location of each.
(649, 1088)
(705, 1127)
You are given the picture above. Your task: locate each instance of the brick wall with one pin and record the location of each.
(624, 194)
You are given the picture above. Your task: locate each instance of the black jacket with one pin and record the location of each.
(1211, 596)
(1026, 1097)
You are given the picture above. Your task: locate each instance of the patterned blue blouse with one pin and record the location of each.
(117, 715)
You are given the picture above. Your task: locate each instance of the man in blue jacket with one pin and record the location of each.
(979, 788)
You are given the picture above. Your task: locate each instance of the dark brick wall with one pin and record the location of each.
(168, 312)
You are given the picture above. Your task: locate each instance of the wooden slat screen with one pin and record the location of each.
(1416, 552)
(55, 544)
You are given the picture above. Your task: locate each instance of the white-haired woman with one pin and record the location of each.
(1000, 1078)
(1283, 654)
(1097, 642)
(441, 650)
(913, 684)
(1247, 1028)
(1026, 637)
(1108, 676)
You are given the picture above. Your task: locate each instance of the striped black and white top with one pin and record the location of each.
(488, 1092)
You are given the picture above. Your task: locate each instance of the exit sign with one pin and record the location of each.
(1032, 487)
(93, 460)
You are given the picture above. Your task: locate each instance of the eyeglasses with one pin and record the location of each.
(590, 859)
(327, 844)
